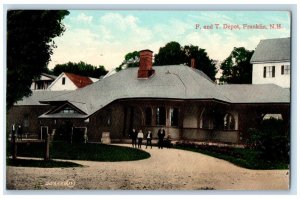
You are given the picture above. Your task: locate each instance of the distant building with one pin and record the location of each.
(271, 62)
(69, 81)
(43, 82)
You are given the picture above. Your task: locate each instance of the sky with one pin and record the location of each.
(105, 37)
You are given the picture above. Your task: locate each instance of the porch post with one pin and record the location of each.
(47, 147)
(181, 112)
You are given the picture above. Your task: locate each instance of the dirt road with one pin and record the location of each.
(166, 169)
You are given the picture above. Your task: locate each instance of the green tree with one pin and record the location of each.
(237, 68)
(130, 60)
(80, 68)
(30, 43)
(171, 54)
(202, 61)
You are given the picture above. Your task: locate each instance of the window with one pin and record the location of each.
(39, 85)
(207, 120)
(174, 116)
(104, 119)
(229, 123)
(44, 132)
(108, 121)
(108, 118)
(148, 116)
(63, 81)
(160, 116)
(285, 69)
(68, 110)
(26, 120)
(269, 71)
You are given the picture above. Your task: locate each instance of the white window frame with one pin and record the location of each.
(268, 71)
(286, 69)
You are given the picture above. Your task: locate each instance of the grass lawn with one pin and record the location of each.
(89, 151)
(40, 163)
(246, 158)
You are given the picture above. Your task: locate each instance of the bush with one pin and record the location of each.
(244, 157)
(271, 140)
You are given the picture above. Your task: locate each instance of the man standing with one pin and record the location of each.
(13, 130)
(161, 134)
(149, 139)
(20, 131)
(140, 137)
(133, 136)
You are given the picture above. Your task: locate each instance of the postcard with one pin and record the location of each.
(148, 100)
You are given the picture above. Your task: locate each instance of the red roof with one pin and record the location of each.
(79, 81)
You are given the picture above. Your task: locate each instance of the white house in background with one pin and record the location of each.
(271, 62)
(69, 81)
(43, 82)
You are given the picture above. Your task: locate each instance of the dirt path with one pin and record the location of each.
(166, 169)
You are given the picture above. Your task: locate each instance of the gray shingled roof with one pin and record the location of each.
(272, 50)
(256, 93)
(60, 115)
(168, 82)
(39, 95)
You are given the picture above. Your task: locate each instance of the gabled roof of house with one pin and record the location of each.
(57, 111)
(168, 82)
(42, 77)
(272, 50)
(78, 80)
(50, 76)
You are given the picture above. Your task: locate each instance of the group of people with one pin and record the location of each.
(17, 131)
(137, 138)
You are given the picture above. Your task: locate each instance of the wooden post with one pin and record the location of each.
(47, 148)
(14, 145)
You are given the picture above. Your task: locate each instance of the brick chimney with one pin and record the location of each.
(145, 68)
(193, 64)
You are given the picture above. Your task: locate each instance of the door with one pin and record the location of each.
(44, 132)
(78, 134)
